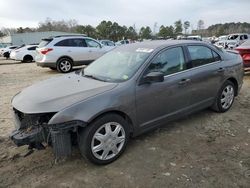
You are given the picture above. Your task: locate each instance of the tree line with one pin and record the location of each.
(114, 31)
(224, 29)
(104, 30)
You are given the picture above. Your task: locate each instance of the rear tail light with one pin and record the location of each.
(46, 50)
(246, 57)
(245, 53)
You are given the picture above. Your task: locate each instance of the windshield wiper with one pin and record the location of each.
(93, 77)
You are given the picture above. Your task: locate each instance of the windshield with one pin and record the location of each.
(20, 47)
(223, 38)
(233, 37)
(44, 43)
(247, 43)
(116, 66)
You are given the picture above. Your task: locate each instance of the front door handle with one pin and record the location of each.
(221, 70)
(184, 81)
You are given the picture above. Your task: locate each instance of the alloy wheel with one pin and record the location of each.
(108, 141)
(227, 97)
(65, 66)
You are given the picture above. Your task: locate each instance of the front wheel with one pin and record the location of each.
(52, 68)
(104, 140)
(225, 97)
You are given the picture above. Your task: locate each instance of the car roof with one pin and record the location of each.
(158, 44)
(30, 45)
(104, 40)
(67, 37)
(59, 37)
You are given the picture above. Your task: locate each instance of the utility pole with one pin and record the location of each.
(155, 27)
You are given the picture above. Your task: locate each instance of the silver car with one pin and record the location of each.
(130, 90)
(62, 53)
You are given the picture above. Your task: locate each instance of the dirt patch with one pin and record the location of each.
(206, 149)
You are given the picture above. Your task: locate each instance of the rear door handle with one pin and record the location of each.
(184, 81)
(221, 70)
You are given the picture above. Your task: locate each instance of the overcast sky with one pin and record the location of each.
(17, 13)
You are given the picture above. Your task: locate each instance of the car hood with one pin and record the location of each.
(232, 41)
(57, 93)
(108, 48)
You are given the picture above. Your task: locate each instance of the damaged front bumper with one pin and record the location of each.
(33, 130)
(28, 136)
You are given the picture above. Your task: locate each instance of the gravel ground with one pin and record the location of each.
(206, 149)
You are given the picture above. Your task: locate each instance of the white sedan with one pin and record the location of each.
(24, 54)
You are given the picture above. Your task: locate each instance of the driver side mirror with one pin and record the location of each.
(153, 77)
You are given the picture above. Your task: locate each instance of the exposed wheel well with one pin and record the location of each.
(122, 114)
(234, 81)
(65, 57)
(27, 56)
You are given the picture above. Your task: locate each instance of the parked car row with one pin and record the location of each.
(5, 52)
(231, 41)
(62, 53)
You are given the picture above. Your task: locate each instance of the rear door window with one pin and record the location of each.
(72, 43)
(64, 43)
(202, 55)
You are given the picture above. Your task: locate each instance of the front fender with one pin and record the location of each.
(89, 109)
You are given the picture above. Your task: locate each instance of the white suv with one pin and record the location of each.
(24, 54)
(64, 52)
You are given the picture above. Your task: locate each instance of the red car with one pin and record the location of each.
(244, 50)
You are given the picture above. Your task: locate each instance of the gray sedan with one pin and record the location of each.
(130, 90)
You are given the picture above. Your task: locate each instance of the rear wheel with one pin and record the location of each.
(64, 65)
(104, 140)
(225, 97)
(27, 59)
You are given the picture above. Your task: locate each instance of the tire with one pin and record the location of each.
(27, 59)
(110, 145)
(6, 55)
(225, 97)
(64, 65)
